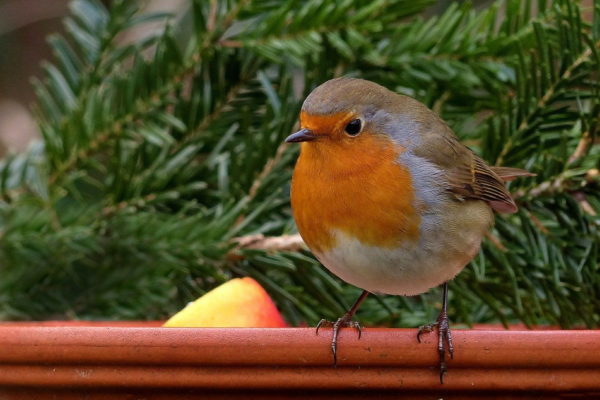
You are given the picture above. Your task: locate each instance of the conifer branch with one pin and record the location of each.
(155, 101)
(150, 165)
(545, 100)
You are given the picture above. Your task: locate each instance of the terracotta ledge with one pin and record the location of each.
(166, 359)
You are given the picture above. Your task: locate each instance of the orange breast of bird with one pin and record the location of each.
(354, 186)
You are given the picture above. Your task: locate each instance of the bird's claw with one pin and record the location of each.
(343, 322)
(425, 329)
(444, 340)
(340, 323)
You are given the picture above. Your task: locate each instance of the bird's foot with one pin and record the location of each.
(444, 340)
(344, 322)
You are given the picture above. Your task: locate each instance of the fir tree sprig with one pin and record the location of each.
(158, 155)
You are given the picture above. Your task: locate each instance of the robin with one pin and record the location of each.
(387, 198)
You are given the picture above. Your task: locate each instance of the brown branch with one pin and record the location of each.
(582, 146)
(269, 165)
(267, 243)
(270, 243)
(559, 182)
(536, 221)
(137, 203)
(439, 103)
(584, 204)
(212, 16)
(208, 119)
(233, 14)
(231, 43)
(550, 186)
(495, 241)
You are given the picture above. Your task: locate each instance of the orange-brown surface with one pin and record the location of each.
(116, 361)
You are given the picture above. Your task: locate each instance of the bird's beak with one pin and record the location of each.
(303, 135)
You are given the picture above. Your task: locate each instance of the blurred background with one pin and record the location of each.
(24, 27)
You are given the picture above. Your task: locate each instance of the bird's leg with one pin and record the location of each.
(344, 321)
(444, 334)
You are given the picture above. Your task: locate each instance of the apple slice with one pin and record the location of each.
(240, 302)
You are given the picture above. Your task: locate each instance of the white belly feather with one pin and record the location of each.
(414, 267)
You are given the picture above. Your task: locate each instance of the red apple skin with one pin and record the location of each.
(240, 303)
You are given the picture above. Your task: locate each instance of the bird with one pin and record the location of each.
(387, 198)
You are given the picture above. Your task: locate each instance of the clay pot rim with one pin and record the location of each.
(141, 354)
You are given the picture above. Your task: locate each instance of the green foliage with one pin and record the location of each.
(157, 153)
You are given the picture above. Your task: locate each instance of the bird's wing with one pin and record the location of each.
(476, 180)
(468, 176)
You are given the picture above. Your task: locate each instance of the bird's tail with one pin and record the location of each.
(507, 174)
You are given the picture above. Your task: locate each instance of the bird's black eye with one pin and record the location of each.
(354, 127)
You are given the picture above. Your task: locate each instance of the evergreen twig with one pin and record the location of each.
(160, 176)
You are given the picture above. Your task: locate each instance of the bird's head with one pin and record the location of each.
(346, 112)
